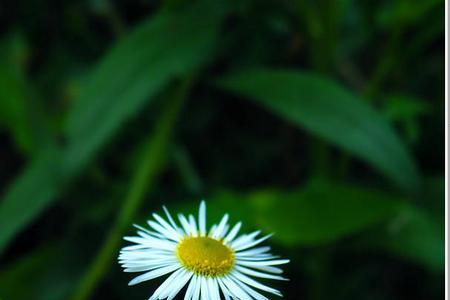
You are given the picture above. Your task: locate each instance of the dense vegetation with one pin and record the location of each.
(319, 121)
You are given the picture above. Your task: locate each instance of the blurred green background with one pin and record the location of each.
(320, 121)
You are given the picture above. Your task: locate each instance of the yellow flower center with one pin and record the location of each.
(205, 256)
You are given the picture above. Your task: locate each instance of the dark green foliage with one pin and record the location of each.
(319, 121)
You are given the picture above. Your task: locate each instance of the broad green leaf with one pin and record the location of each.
(316, 214)
(138, 68)
(329, 111)
(159, 50)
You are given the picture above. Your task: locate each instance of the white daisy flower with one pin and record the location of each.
(212, 263)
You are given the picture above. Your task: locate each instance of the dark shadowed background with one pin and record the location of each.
(319, 121)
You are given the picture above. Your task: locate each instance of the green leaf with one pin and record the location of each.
(317, 214)
(329, 111)
(36, 275)
(321, 213)
(13, 277)
(406, 111)
(159, 50)
(138, 68)
(405, 12)
(30, 193)
(416, 236)
(13, 91)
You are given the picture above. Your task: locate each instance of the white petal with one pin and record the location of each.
(269, 269)
(168, 234)
(170, 228)
(257, 274)
(263, 263)
(171, 220)
(253, 252)
(212, 230)
(225, 230)
(226, 293)
(258, 257)
(237, 291)
(181, 281)
(186, 226)
(213, 289)
(233, 233)
(166, 285)
(244, 239)
(249, 281)
(154, 274)
(151, 233)
(218, 232)
(196, 295)
(193, 225)
(152, 243)
(202, 218)
(204, 289)
(249, 244)
(191, 288)
(249, 290)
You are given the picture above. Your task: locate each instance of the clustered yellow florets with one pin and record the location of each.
(205, 256)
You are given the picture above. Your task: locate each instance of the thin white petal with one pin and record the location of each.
(230, 237)
(263, 263)
(186, 226)
(204, 289)
(237, 291)
(166, 225)
(253, 243)
(257, 274)
(269, 269)
(218, 232)
(181, 281)
(171, 220)
(202, 218)
(196, 295)
(254, 283)
(252, 252)
(249, 290)
(191, 288)
(152, 243)
(226, 293)
(193, 225)
(244, 239)
(154, 274)
(167, 233)
(166, 284)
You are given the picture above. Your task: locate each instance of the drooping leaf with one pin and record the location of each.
(329, 111)
(162, 48)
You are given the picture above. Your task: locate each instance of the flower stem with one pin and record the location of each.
(152, 161)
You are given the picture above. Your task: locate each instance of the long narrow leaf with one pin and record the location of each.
(329, 111)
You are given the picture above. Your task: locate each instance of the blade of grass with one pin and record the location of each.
(153, 159)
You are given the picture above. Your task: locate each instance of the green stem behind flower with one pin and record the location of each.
(152, 161)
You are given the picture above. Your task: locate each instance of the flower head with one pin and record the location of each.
(212, 263)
